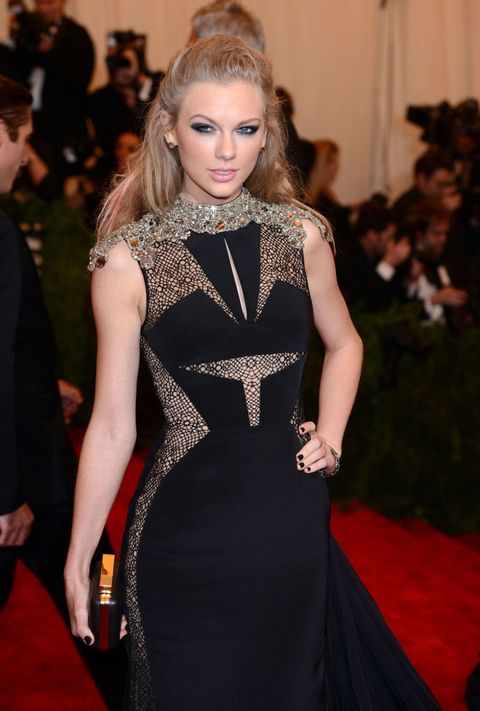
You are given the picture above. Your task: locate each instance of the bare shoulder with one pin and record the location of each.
(318, 249)
(315, 237)
(119, 282)
(120, 266)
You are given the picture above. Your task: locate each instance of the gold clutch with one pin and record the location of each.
(105, 609)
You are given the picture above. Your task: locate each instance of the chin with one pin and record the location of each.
(224, 192)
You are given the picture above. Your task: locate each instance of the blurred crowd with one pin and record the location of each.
(423, 247)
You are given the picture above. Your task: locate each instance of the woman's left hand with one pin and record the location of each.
(316, 453)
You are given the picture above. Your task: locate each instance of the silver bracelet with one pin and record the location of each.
(323, 472)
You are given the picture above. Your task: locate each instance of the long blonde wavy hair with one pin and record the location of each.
(154, 176)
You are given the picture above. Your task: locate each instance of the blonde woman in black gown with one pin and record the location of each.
(237, 597)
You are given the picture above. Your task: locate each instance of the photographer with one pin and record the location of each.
(429, 280)
(120, 105)
(433, 176)
(55, 57)
(369, 265)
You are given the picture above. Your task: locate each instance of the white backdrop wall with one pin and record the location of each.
(351, 67)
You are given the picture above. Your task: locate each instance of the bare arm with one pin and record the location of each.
(343, 354)
(118, 297)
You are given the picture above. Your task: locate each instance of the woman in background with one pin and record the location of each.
(321, 195)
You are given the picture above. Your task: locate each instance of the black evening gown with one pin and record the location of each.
(237, 596)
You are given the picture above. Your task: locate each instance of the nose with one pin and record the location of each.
(225, 148)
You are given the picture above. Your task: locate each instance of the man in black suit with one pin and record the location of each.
(431, 279)
(433, 178)
(369, 263)
(38, 464)
(121, 105)
(56, 59)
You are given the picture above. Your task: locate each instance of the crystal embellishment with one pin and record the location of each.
(184, 216)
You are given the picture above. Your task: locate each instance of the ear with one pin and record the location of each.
(264, 142)
(171, 139)
(3, 131)
(168, 123)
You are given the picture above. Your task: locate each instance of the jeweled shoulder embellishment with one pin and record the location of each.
(140, 237)
(184, 217)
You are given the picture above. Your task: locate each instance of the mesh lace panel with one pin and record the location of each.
(251, 370)
(186, 429)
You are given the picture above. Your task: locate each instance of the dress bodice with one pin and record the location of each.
(228, 309)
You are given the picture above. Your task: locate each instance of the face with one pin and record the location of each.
(375, 241)
(13, 154)
(331, 169)
(435, 237)
(125, 145)
(437, 184)
(220, 131)
(130, 74)
(383, 238)
(50, 10)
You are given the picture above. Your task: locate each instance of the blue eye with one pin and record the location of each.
(248, 130)
(202, 127)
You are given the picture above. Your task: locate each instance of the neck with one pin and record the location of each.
(212, 200)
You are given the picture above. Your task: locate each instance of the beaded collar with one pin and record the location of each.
(185, 216)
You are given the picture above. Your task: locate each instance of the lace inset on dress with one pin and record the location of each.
(251, 370)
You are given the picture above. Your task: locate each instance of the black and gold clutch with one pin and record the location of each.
(105, 609)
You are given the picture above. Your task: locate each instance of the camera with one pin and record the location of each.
(445, 125)
(456, 129)
(117, 42)
(29, 26)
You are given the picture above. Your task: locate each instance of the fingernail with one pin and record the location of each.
(301, 465)
(87, 640)
(300, 457)
(302, 429)
(307, 469)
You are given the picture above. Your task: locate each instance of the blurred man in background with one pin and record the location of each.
(54, 56)
(433, 177)
(38, 463)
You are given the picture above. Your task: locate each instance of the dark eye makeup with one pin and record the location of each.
(202, 127)
(248, 130)
(207, 128)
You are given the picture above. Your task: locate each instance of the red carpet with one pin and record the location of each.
(425, 583)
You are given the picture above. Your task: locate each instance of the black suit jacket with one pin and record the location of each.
(359, 281)
(68, 71)
(37, 460)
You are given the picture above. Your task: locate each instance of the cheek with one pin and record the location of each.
(250, 151)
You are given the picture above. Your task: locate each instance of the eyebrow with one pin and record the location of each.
(210, 120)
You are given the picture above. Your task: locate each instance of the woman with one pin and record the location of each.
(321, 194)
(227, 556)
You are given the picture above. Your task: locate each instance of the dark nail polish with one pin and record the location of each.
(300, 457)
(88, 641)
(307, 469)
(301, 465)
(302, 429)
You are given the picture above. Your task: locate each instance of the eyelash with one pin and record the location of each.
(206, 128)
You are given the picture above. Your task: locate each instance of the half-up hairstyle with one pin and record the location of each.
(154, 175)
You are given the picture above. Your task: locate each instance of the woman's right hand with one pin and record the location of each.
(77, 593)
